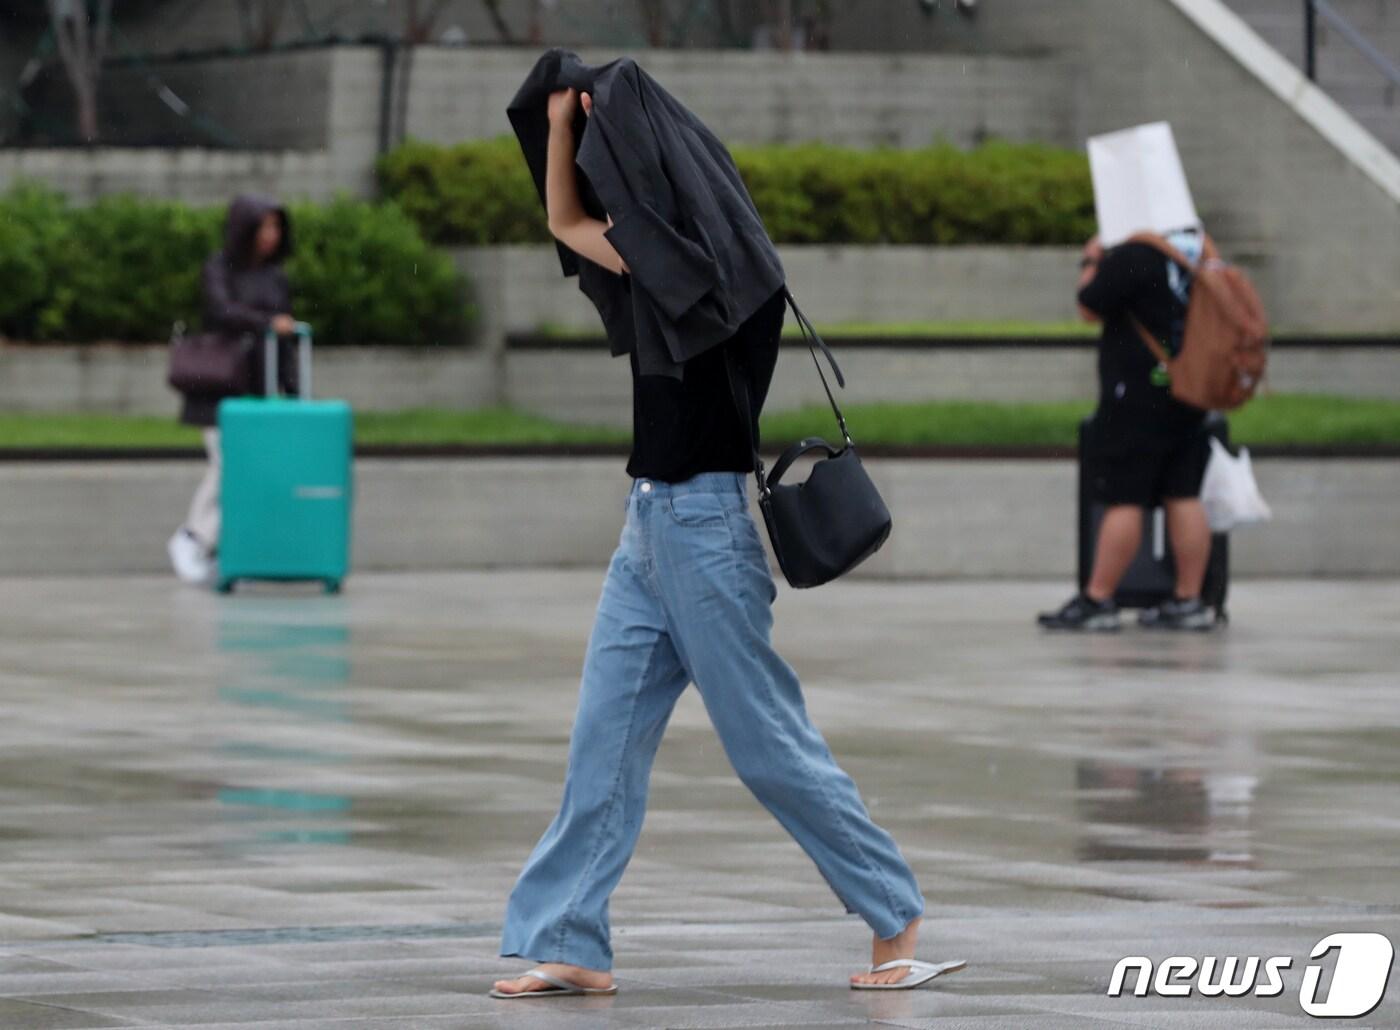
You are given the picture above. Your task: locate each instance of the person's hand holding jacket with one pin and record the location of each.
(562, 105)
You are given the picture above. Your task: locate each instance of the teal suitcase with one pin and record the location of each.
(287, 485)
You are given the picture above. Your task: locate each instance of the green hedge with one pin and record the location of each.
(481, 193)
(125, 269)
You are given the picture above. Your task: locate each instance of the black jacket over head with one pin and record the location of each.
(701, 263)
(241, 295)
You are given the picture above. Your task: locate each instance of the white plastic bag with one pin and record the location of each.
(1229, 492)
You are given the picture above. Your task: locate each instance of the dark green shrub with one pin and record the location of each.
(364, 274)
(33, 225)
(125, 269)
(476, 194)
(1000, 193)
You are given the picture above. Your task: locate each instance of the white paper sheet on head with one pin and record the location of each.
(1139, 184)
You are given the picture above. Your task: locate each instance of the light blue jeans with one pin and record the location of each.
(688, 598)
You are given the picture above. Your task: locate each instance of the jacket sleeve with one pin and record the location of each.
(622, 155)
(673, 270)
(221, 311)
(1122, 273)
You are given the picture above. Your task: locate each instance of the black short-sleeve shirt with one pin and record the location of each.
(683, 427)
(1133, 279)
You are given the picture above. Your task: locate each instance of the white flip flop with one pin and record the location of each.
(558, 988)
(920, 973)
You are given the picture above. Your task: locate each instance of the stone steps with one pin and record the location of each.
(1342, 71)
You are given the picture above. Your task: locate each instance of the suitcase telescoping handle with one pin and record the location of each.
(271, 365)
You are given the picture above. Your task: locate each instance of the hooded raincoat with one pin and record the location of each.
(242, 295)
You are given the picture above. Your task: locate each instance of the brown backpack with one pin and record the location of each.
(1225, 348)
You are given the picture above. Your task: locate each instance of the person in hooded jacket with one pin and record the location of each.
(245, 293)
(687, 598)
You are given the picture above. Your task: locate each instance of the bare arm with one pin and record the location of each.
(568, 221)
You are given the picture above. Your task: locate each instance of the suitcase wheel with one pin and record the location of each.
(224, 586)
(332, 586)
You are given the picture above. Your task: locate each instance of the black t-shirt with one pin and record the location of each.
(1134, 279)
(683, 427)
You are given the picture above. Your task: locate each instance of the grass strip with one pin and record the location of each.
(1287, 420)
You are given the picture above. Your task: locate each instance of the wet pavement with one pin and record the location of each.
(288, 810)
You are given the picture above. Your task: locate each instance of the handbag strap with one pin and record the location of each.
(743, 400)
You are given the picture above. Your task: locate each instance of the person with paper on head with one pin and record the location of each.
(1149, 448)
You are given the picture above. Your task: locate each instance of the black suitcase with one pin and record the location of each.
(1151, 578)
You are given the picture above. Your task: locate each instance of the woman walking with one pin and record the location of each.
(245, 293)
(687, 599)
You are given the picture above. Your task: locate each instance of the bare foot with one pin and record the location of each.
(574, 974)
(901, 945)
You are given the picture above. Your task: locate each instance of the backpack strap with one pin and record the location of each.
(1153, 344)
(1160, 243)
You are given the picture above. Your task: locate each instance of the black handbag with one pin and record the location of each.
(826, 526)
(210, 364)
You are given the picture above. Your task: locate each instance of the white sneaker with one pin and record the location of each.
(188, 557)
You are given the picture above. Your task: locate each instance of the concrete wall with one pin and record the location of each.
(520, 288)
(589, 387)
(130, 380)
(747, 97)
(855, 25)
(1341, 69)
(952, 518)
(311, 117)
(1289, 183)
(194, 176)
(308, 98)
(1017, 27)
(214, 23)
(354, 122)
(1320, 232)
(585, 385)
(1267, 181)
(316, 114)
(277, 101)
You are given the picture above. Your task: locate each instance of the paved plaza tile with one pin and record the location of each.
(284, 810)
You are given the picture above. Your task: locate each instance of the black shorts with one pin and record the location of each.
(1150, 472)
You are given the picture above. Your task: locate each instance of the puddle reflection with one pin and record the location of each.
(284, 663)
(1138, 652)
(1159, 813)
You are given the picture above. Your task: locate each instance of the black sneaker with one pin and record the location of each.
(1179, 615)
(1083, 613)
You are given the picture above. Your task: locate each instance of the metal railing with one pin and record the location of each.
(1315, 9)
